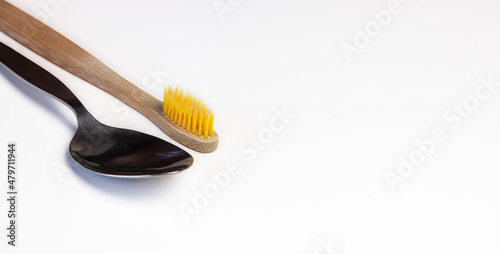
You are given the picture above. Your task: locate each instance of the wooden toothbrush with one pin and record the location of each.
(64, 53)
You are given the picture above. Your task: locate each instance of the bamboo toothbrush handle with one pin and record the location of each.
(59, 50)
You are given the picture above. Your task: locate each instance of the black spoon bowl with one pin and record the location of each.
(98, 147)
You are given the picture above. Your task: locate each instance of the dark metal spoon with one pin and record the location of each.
(100, 148)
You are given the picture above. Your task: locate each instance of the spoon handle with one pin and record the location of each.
(37, 76)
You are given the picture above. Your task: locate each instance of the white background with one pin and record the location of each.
(320, 180)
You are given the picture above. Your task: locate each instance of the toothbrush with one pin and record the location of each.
(64, 53)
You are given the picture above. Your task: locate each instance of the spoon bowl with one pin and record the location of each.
(98, 147)
(120, 152)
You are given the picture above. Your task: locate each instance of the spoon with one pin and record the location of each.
(100, 148)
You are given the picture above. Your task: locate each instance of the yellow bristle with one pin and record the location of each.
(200, 124)
(205, 125)
(181, 111)
(176, 112)
(184, 118)
(188, 112)
(211, 124)
(164, 108)
(195, 120)
(172, 108)
(169, 103)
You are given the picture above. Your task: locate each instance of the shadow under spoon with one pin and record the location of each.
(100, 148)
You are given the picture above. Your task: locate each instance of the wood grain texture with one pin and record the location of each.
(64, 53)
